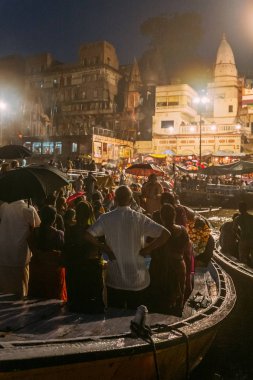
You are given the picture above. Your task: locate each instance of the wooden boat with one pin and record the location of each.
(216, 195)
(242, 276)
(239, 326)
(241, 273)
(42, 340)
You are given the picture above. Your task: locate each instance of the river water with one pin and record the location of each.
(231, 354)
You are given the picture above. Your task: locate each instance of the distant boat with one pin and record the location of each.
(42, 340)
(241, 274)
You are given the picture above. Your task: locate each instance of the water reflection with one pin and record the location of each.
(218, 216)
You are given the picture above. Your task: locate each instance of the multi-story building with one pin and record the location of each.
(72, 109)
(182, 126)
(98, 108)
(72, 103)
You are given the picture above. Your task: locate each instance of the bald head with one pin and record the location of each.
(123, 196)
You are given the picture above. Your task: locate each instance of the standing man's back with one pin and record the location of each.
(125, 232)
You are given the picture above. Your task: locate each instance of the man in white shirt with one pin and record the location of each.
(17, 219)
(125, 232)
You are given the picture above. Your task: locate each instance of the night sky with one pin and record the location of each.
(60, 26)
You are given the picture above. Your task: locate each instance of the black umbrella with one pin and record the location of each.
(30, 182)
(14, 151)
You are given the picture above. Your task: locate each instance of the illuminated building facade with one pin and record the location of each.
(100, 108)
(65, 106)
(181, 126)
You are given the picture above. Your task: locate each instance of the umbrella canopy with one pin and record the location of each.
(144, 170)
(169, 152)
(14, 151)
(188, 171)
(73, 197)
(30, 182)
(241, 167)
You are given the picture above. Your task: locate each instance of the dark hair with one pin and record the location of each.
(167, 198)
(84, 212)
(60, 201)
(243, 207)
(123, 195)
(50, 199)
(47, 216)
(69, 214)
(95, 197)
(78, 200)
(152, 176)
(168, 214)
(199, 223)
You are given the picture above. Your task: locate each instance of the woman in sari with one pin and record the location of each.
(168, 268)
(47, 274)
(83, 265)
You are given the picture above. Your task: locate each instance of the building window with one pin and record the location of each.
(95, 93)
(58, 148)
(230, 108)
(173, 101)
(47, 147)
(74, 148)
(55, 83)
(36, 147)
(167, 124)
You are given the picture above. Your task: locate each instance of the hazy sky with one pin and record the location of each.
(60, 26)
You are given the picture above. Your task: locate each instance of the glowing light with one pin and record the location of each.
(238, 127)
(201, 100)
(192, 128)
(213, 127)
(171, 129)
(3, 105)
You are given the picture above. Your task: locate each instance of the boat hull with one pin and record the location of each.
(238, 329)
(171, 361)
(179, 348)
(195, 198)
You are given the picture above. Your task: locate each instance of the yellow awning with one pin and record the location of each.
(158, 155)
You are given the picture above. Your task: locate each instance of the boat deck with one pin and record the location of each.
(44, 320)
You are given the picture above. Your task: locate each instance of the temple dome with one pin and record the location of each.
(225, 61)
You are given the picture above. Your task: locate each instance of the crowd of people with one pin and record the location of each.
(94, 246)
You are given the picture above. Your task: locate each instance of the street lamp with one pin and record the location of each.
(201, 102)
(3, 107)
(238, 127)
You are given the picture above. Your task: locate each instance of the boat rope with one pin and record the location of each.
(144, 332)
(165, 328)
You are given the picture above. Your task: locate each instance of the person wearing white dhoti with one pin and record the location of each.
(17, 219)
